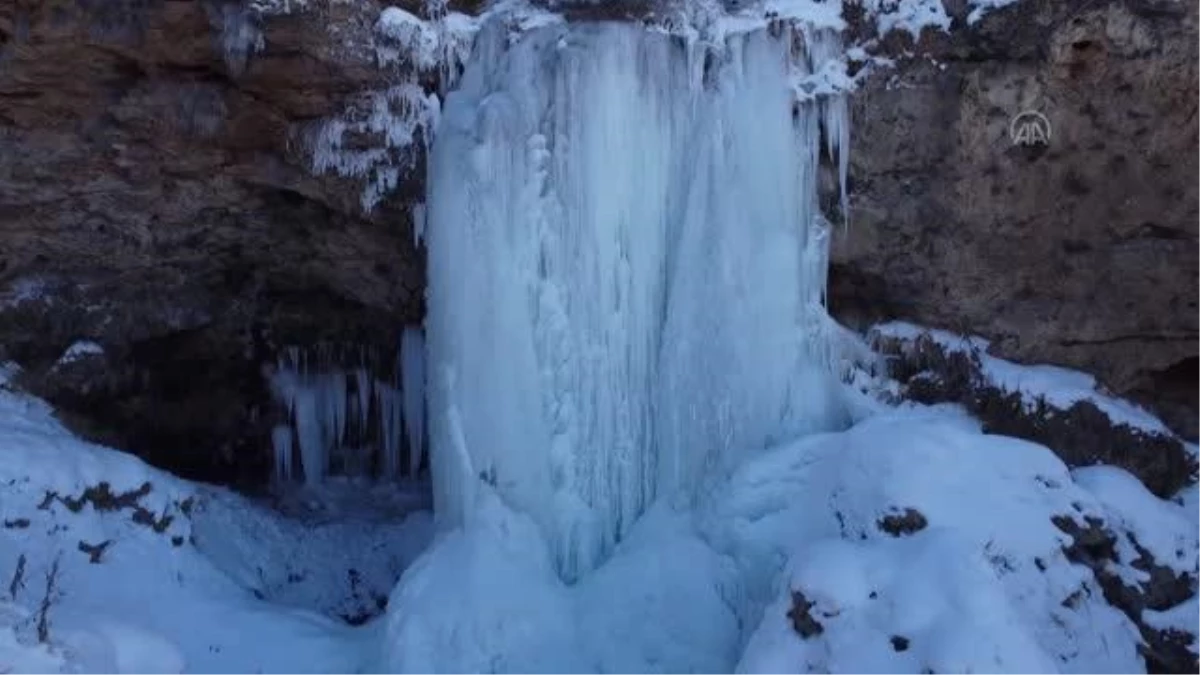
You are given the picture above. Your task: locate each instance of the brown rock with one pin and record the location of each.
(156, 197)
(1082, 252)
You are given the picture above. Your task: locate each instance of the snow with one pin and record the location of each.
(512, 612)
(80, 350)
(153, 602)
(308, 564)
(639, 440)
(19, 651)
(980, 8)
(1184, 617)
(695, 586)
(602, 362)
(442, 45)
(912, 16)
(966, 591)
(1161, 527)
(1059, 387)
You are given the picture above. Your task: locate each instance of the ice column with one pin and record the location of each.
(624, 281)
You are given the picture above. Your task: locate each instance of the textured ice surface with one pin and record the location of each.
(345, 419)
(626, 270)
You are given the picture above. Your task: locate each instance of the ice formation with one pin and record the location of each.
(626, 269)
(400, 115)
(340, 419)
(412, 373)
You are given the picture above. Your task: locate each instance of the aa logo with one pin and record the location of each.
(1029, 128)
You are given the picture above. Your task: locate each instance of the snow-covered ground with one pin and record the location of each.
(156, 574)
(912, 542)
(1059, 387)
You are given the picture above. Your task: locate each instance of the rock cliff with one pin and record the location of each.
(159, 196)
(1081, 251)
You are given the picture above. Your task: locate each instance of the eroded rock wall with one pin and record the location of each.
(1081, 252)
(157, 197)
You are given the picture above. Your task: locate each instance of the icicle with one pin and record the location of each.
(281, 441)
(418, 223)
(391, 420)
(362, 384)
(412, 372)
(310, 432)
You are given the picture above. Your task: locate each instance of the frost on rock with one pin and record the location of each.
(414, 38)
(278, 7)
(912, 16)
(80, 350)
(373, 137)
(441, 45)
(981, 7)
(647, 267)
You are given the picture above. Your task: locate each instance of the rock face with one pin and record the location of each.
(1082, 251)
(156, 197)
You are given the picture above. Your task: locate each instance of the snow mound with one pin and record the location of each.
(979, 582)
(133, 595)
(911, 542)
(483, 599)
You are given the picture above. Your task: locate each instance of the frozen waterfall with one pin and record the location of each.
(626, 270)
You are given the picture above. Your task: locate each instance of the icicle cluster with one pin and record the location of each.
(402, 114)
(397, 117)
(338, 418)
(440, 45)
(626, 270)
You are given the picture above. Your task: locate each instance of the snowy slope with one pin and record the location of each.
(151, 601)
(982, 585)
